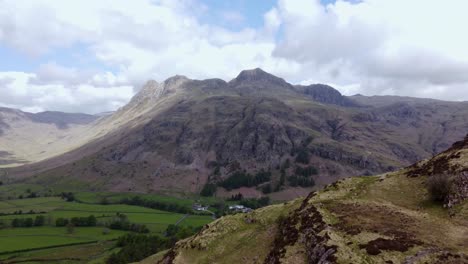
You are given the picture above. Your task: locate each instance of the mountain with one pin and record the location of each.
(27, 137)
(388, 218)
(181, 134)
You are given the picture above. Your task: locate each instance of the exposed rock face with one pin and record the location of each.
(257, 78)
(452, 161)
(310, 234)
(326, 94)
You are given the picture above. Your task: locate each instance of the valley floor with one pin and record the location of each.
(47, 242)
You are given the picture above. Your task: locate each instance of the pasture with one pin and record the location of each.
(22, 243)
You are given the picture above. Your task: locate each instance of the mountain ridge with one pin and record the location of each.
(180, 134)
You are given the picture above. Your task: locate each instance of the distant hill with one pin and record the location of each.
(388, 218)
(27, 137)
(178, 135)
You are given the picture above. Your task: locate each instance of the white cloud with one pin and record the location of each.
(402, 47)
(18, 92)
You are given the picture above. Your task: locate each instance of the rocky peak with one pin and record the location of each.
(326, 94)
(254, 74)
(151, 90)
(176, 78)
(257, 77)
(174, 82)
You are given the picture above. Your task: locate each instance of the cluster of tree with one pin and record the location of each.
(302, 152)
(28, 222)
(302, 181)
(19, 212)
(302, 176)
(165, 206)
(208, 190)
(256, 203)
(29, 195)
(236, 197)
(175, 232)
(306, 171)
(302, 156)
(266, 189)
(121, 222)
(77, 221)
(68, 196)
(136, 247)
(243, 179)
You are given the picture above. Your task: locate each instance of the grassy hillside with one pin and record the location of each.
(388, 218)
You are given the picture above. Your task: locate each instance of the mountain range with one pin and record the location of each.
(182, 134)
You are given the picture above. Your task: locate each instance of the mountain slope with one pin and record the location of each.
(182, 133)
(376, 219)
(27, 137)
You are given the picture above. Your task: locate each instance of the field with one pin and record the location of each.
(84, 244)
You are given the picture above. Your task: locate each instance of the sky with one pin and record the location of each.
(93, 56)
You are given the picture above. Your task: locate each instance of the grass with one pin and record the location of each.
(392, 208)
(15, 239)
(196, 220)
(32, 243)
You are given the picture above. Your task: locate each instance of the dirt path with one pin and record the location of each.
(181, 219)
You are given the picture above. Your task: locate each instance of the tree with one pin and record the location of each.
(15, 222)
(104, 201)
(61, 222)
(303, 156)
(39, 220)
(70, 228)
(28, 222)
(266, 189)
(208, 190)
(282, 177)
(306, 172)
(439, 187)
(68, 196)
(236, 197)
(92, 221)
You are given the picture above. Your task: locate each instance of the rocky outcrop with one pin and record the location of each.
(326, 94)
(257, 78)
(304, 226)
(447, 162)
